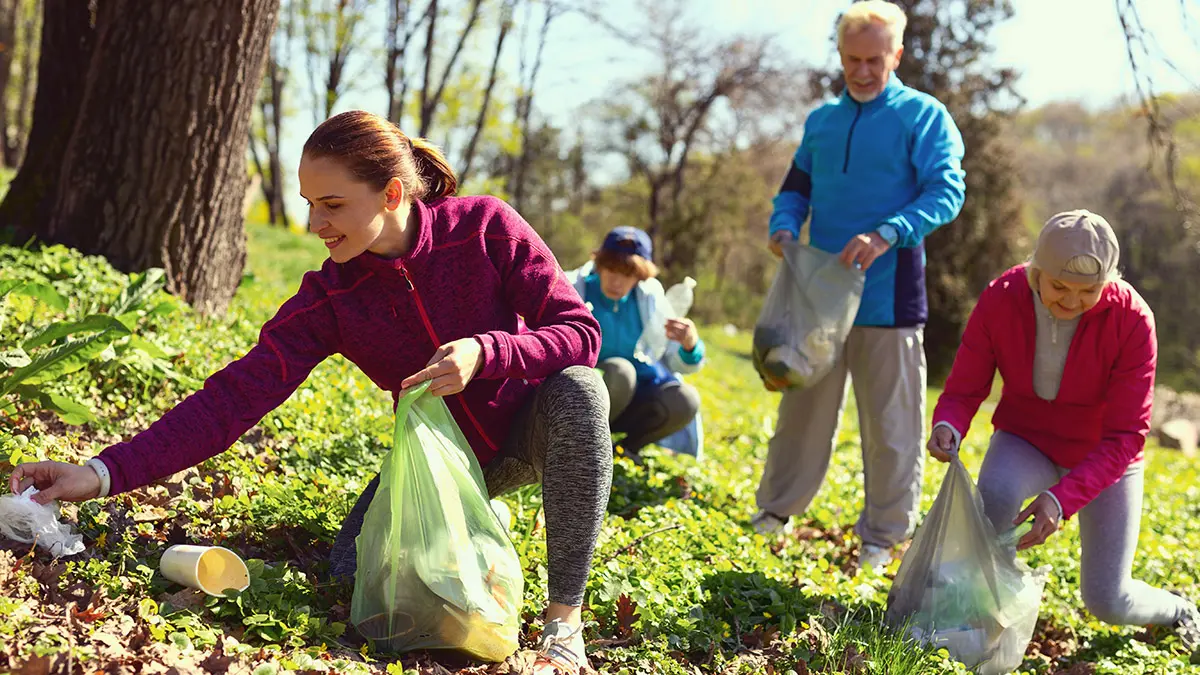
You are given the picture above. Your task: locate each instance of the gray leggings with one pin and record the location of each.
(1014, 471)
(561, 439)
(645, 416)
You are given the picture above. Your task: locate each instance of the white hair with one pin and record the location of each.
(866, 12)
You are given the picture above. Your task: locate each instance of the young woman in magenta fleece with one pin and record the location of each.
(1076, 348)
(419, 286)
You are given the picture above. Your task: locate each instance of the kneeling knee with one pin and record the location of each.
(684, 400)
(1110, 605)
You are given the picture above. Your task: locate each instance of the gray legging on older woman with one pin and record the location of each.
(561, 439)
(1014, 471)
(647, 415)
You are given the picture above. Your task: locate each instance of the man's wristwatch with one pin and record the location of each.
(889, 234)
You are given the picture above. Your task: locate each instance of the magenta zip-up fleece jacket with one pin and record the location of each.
(476, 269)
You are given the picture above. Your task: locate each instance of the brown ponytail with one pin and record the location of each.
(376, 150)
(434, 170)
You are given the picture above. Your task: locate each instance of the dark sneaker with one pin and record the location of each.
(1188, 627)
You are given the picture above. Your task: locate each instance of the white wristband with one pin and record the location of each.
(101, 470)
(957, 435)
(1057, 503)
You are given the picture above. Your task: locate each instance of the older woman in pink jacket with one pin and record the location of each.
(1076, 348)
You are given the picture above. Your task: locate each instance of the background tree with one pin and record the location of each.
(67, 37)
(659, 123)
(507, 9)
(1070, 157)
(126, 163)
(399, 31)
(333, 34)
(530, 65)
(19, 27)
(270, 115)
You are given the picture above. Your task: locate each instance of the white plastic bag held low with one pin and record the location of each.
(807, 314)
(960, 587)
(26, 521)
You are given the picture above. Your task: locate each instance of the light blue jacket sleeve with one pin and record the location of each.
(791, 204)
(937, 157)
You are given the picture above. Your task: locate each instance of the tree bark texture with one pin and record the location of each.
(67, 38)
(154, 171)
(9, 9)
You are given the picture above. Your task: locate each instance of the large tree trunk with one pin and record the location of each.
(154, 173)
(67, 39)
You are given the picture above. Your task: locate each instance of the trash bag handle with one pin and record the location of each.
(792, 248)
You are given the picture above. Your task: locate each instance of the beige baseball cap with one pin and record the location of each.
(1074, 233)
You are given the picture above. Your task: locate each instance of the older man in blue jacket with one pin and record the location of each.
(878, 169)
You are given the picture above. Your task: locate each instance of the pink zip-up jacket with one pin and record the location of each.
(476, 269)
(1097, 425)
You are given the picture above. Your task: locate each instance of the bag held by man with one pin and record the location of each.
(807, 314)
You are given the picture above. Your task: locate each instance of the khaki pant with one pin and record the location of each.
(887, 369)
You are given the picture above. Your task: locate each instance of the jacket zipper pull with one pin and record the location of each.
(407, 280)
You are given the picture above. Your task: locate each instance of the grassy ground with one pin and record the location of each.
(680, 584)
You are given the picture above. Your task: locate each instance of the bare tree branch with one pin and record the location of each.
(528, 80)
(506, 21)
(1159, 132)
(426, 80)
(429, 105)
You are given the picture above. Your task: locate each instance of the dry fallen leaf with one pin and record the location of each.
(36, 665)
(188, 598)
(216, 662)
(627, 615)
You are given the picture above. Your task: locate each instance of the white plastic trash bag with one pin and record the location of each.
(806, 316)
(961, 586)
(26, 521)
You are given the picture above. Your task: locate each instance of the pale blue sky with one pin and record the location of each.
(1064, 49)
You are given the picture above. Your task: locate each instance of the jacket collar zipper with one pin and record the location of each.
(858, 107)
(437, 343)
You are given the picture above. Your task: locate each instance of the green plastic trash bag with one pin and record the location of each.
(436, 569)
(806, 316)
(961, 586)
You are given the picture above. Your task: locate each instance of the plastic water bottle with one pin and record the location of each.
(680, 297)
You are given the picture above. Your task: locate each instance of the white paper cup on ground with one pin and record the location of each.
(212, 569)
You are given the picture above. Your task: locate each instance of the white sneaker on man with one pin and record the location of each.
(766, 523)
(874, 557)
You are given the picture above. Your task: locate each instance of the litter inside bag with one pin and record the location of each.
(436, 569)
(26, 521)
(961, 586)
(806, 316)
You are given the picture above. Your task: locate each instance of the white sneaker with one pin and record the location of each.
(765, 522)
(503, 513)
(873, 557)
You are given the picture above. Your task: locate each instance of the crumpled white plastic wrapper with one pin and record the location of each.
(26, 521)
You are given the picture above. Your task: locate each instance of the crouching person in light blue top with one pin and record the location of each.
(644, 347)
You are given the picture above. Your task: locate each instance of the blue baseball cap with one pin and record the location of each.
(629, 240)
